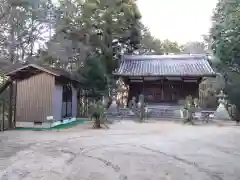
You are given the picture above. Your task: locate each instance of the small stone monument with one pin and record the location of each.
(141, 107)
(221, 112)
(114, 107)
(104, 101)
(132, 105)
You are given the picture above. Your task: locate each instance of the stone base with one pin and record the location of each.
(222, 113)
(64, 121)
(44, 124)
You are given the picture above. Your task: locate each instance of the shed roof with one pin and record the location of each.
(20, 67)
(165, 65)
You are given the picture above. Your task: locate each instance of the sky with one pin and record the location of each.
(177, 20)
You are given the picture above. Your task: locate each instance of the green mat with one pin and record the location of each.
(59, 127)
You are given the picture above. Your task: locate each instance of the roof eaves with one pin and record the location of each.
(165, 75)
(163, 57)
(34, 66)
(44, 69)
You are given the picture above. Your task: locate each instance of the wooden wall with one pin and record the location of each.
(170, 91)
(34, 98)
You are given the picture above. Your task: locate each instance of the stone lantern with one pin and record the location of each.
(222, 98)
(221, 112)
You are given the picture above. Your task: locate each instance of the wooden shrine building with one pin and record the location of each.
(163, 78)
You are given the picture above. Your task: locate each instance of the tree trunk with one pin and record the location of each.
(3, 114)
(12, 45)
(98, 123)
(237, 118)
(31, 38)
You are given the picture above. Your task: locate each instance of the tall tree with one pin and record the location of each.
(109, 27)
(194, 48)
(225, 39)
(171, 47)
(91, 35)
(208, 43)
(225, 31)
(148, 43)
(94, 77)
(22, 25)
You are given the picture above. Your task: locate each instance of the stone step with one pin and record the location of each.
(147, 117)
(163, 114)
(154, 112)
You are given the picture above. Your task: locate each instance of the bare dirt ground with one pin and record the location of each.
(127, 151)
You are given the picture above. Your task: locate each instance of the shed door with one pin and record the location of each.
(67, 101)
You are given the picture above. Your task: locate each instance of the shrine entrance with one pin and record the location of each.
(163, 91)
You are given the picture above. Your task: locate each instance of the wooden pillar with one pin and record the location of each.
(162, 89)
(3, 114)
(10, 108)
(143, 88)
(15, 103)
(1, 118)
(198, 83)
(129, 93)
(183, 92)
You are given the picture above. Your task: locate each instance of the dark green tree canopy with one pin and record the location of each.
(171, 47)
(85, 36)
(225, 41)
(194, 48)
(225, 34)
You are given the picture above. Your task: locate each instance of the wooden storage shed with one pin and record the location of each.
(45, 96)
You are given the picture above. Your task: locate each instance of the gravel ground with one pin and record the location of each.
(127, 151)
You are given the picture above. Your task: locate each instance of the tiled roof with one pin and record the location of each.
(165, 65)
